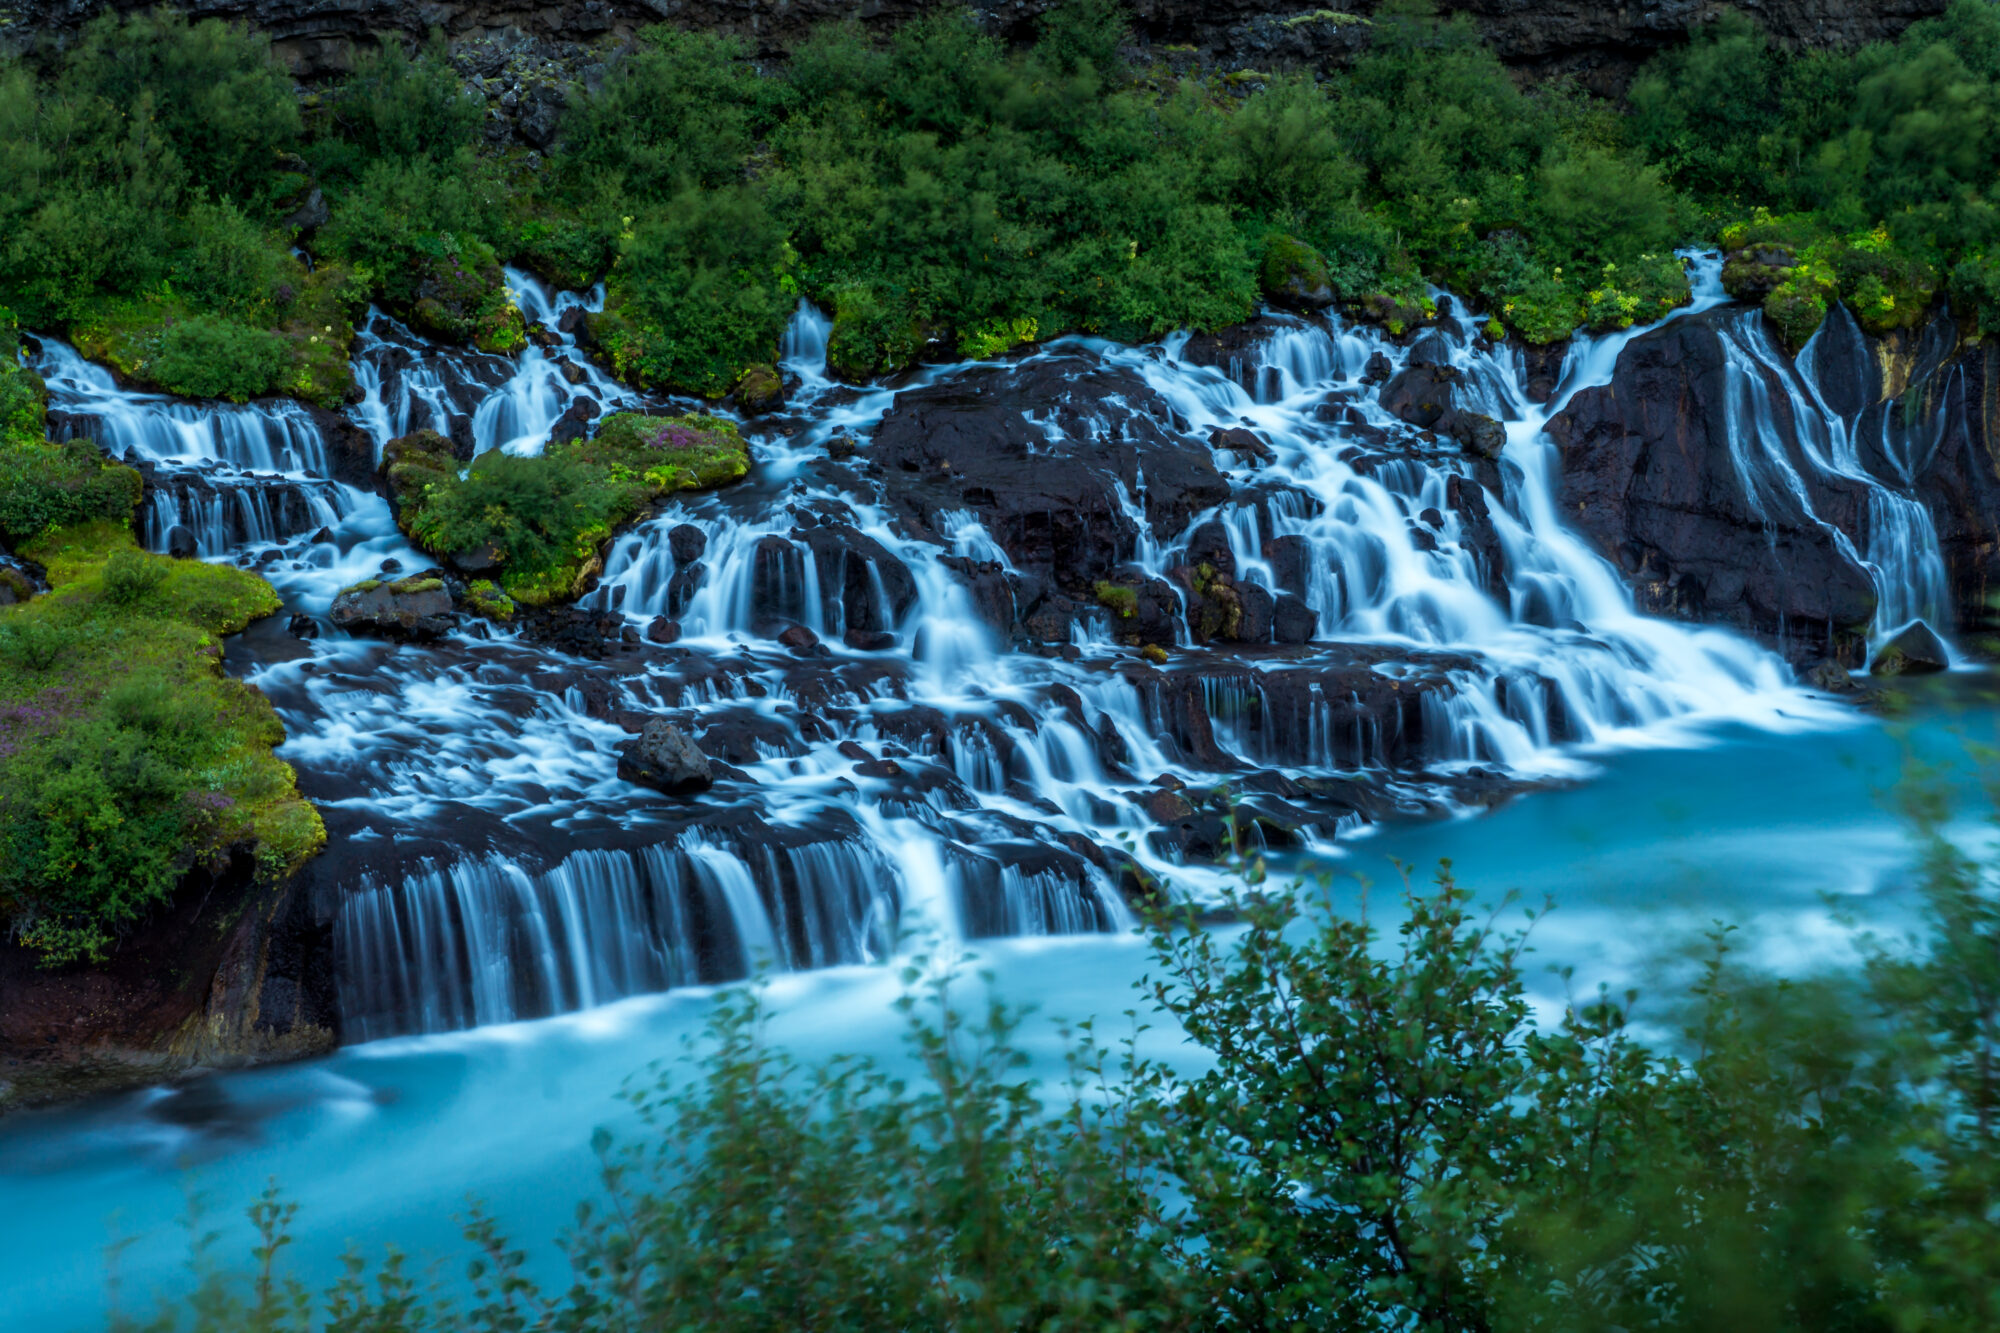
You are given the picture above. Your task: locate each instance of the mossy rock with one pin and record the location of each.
(122, 657)
(759, 391)
(538, 525)
(1755, 271)
(1294, 275)
(1117, 598)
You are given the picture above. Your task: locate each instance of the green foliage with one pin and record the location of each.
(1372, 1131)
(209, 356)
(45, 485)
(684, 109)
(547, 517)
(699, 293)
(221, 106)
(398, 106)
(126, 756)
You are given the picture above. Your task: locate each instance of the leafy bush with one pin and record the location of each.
(699, 294)
(209, 356)
(545, 518)
(131, 577)
(45, 486)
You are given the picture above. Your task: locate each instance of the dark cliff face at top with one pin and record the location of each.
(1600, 42)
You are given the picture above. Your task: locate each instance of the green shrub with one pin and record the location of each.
(45, 486)
(548, 516)
(395, 105)
(209, 356)
(212, 92)
(699, 294)
(132, 576)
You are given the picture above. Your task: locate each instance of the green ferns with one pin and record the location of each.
(542, 521)
(127, 757)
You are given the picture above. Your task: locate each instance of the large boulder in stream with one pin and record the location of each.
(664, 758)
(412, 608)
(1049, 456)
(1686, 472)
(1431, 393)
(1917, 651)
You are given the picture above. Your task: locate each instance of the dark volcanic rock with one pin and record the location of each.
(506, 49)
(664, 758)
(1917, 651)
(862, 585)
(687, 542)
(412, 608)
(1046, 489)
(1293, 621)
(181, 544)
(1426, 394)
(1650, 478)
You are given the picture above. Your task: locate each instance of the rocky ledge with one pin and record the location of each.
(248, 979)
(1601, 43)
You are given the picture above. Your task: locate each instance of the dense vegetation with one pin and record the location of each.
(1370, 1134)
(540, 522)
(126, 755)
(944, 195)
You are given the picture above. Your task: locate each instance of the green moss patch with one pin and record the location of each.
(543, 521)
(126, 755)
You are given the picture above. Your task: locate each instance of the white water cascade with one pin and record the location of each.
(920, 768)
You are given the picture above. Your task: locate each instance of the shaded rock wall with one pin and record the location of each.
(232, 973)
(1601, 42)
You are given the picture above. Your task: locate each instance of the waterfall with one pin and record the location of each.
(916, 769)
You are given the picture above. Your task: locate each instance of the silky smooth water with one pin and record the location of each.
(496, 869)
(1787, 835)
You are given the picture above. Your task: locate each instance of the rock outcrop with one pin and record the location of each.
(664, 758)
(1599, 43)
(251, 982)
(1047, 456)
(414, 608)
(1658, 473)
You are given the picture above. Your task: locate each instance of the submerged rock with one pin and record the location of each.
(664, 758)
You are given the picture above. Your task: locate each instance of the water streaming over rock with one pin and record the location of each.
(974, 745)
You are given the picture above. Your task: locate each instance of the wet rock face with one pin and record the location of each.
(412, 608)
(1047, 456)
(1601, 43)
(664, 758)
(1427, 393)
(1653, 477)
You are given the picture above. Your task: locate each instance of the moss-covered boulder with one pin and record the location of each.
(759, 391)
(130, 758)
(1294, 275)
(1755, 271)
(419, 607)
(538, 525)
(457, 297)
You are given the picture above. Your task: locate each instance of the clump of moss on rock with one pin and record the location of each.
(127, 756)
(536, 526)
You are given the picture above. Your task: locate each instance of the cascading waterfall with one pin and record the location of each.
(913, 770)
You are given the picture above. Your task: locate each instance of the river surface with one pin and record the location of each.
(517, 930)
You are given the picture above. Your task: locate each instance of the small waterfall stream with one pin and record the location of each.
(919, 770)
